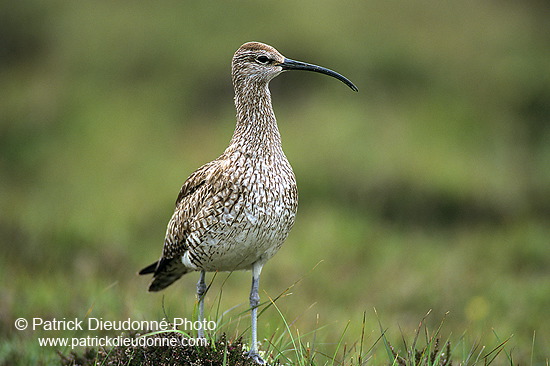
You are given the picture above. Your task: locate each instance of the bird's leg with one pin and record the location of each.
(201, 291)
(254, 302)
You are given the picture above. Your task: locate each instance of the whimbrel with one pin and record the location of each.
(235, 212)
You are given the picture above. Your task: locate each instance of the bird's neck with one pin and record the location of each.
(256, 131)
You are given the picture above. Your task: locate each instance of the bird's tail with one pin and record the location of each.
(165, 272)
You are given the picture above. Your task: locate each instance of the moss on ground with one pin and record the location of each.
(220, 352)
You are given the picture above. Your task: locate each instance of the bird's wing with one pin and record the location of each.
(197, 199)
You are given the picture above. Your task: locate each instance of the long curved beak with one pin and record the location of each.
(289, 64)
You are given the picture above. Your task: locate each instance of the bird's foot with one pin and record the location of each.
(256, 358)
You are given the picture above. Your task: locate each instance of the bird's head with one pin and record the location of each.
(259, 63)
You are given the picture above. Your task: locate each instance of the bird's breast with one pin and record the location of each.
(268, 195)
(259, 208)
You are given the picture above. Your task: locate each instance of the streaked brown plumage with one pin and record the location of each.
(235, 212)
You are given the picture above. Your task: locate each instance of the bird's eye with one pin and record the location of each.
(263, 59)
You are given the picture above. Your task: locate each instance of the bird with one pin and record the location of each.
(235, 212)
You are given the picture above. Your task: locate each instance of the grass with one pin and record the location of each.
(287, 343)
(289, 346)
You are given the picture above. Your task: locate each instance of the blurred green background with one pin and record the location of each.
(428, 189)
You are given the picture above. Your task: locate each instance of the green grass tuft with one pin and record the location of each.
(290, 346)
